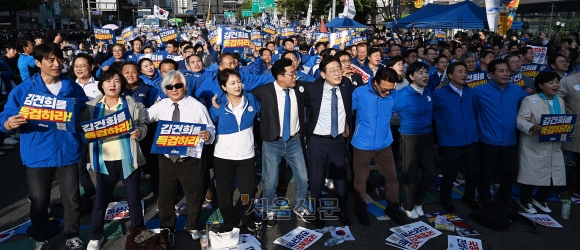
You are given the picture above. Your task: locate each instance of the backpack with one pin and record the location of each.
(149, 242)
(495, 215)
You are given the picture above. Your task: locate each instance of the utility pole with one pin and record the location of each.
(89, 25)
(333, 9)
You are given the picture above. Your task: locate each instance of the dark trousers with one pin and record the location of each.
(85, 180)
(503, 157)
(152, 165)
(224, 171)
(190, 173)
(396, 145)
(105, 188)
(544, 192)
(39, 187)
(323, 153)
(453, 159)
(417, 151)
(386, 166)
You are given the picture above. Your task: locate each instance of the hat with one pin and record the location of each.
(433, 42)
(525, 40)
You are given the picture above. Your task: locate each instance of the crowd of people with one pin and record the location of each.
(325, 112)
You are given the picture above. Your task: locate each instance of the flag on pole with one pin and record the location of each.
(322, 26)
(330, 14)
(309, 14)
(349, 9)
(160, 13)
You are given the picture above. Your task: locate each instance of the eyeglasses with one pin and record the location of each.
(335, 71)
(291, 75)
(84, 66)
(345, 61)
(386, 91)
(177, 86)
(562, 61)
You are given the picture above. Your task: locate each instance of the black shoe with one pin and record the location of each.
(343, 217)
(362, 218)
(473, 204)
(508, 202)
(318, 222)
(396, 216)
(448, 206)
(272, 220)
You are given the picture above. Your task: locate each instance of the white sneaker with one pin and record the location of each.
(419, 210)
(542, 206)
(460, 179)
(42, 245)
(194, 234)
(411, 214)
(329, 184)
(302, 214)
(95, 244)
(529, 208)
(10, 141)
(74, 244)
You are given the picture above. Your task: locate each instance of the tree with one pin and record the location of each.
(13, 6)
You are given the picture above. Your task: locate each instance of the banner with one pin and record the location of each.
(365, 76)
(512, 7)
(475, 79)
(119, 40)
(398, 241)
(287, 32)
(115, 124)
(269, 28)
(127, 33)
(156, 58)
(542, 219)
(235, 41)
(416, 231)
(463, 243)
(40, 109)
(556, 127)
(256, 38)
(106, 36)
(338, 39)
(168, 35)
(298, 239)
(492, 10)
(120, 210)
(532, 70)
(539, 54)
(215, 36)
(502, 23)
(320, 37)
(440, 35)
(178, 138)
(349, 10)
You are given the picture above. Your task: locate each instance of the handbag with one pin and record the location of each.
(226, 239)
(144, 239)
(495, 215)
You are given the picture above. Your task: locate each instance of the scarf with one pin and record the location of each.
(125, 141)
(553, 109)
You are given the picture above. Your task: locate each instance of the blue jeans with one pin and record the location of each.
(272, 153)
(39, 187)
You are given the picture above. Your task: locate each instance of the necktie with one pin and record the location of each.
(286, 127)
(334, 114)
(175, 118)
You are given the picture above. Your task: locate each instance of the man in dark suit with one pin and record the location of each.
(282, 119)
(346, 65)
(329, 114)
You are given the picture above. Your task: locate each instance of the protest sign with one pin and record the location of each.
(215, 36)
(269, 28)
(53, 112)
(461, 226)
(320, 37)
(173, 57)
(106, 36)
(127, 33)
(539, 54)
(475, 79)
(115, 124)
(235, 41)
(344, 232)
(178, 138)
(119, 210)
(256, 38)
(299, 238)
(168, 35)
(416, 231)
(542, 219)
(463, 243)
(246, 242)
(156, 58)
(440, 35)
(532, 70)
(557, 127)
(338, 39)
(402, 243)
(287, 32)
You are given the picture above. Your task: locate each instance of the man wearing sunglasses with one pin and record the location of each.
(372, 139)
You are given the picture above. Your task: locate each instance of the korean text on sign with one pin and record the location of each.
(38, 108)
(558, 127)
(114, 124)
(178, 138)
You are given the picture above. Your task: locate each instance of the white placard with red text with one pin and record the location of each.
(463, 243)
(542, 219)
(298, 239)
(120, 210)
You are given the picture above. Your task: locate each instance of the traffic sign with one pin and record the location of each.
(228, 14)
(260, 5)
(97, 13)
(247, 13)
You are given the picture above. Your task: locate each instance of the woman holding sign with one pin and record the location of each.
(236, 116)
(115, 156)
(541, 163)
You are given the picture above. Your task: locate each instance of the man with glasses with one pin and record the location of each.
(430, 55)
(299, 74)
(187, 51)
(372, 139)
(345, 63)
(437, 78)
(559, 64)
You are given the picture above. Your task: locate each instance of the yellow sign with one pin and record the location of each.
(502, 23)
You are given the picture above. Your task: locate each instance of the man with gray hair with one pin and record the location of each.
(470, 59)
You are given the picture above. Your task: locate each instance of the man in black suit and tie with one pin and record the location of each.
(282, 119)
(329, 115)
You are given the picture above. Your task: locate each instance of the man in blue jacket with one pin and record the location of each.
(458, 139)
(372, 139)
(497, 113)
(46, 151)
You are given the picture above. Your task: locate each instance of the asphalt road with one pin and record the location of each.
(14, 207)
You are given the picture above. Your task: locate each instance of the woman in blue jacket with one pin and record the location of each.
(415, 109)
(234, 149)
(149, 73)
(118, 51)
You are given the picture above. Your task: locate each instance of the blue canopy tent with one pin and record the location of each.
(420, 14)
(464, 15)
(342, 22)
